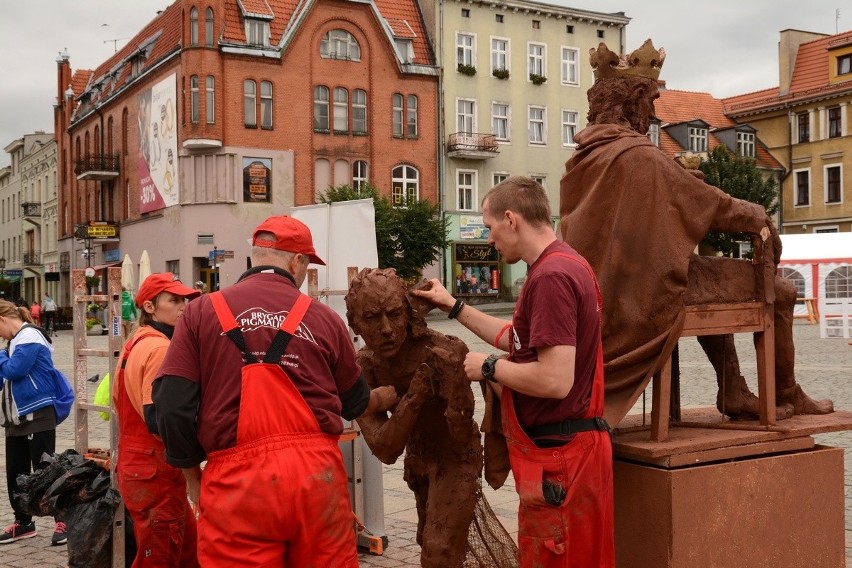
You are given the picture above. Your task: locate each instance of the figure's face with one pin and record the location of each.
(645, 109)
(383, 320)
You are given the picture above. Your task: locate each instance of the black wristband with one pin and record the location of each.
(457, 308)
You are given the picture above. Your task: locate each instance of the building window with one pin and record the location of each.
(208, 27)
(601, 34)
(341, 110)
(465, 116)
(569, 126)
(257, 32)
(173, 266)
(570, 61)
(654, 133)
(844, 64)
(804, 125)
(466, 189)
(498, 18)
(405, 185)
(359, 175)
(411, 118)
(464, 50)
(465, 12)
(536, 125)
(340, 44)
(536, 24)
(193, 27)
(500, 121)
(540, 180)
(194, 111)
(359, 111)
(210, 99)
(499, 54)
(833, 193)
(834, 122)
(396, 103)
(499, 177)
(266, 105)
(250, 103)
(569, 29)
(321, 109)
(802, 188)
(535, 59)
(697, 139)
(745, 144)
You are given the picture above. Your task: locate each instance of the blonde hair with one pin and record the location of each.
(10, 310)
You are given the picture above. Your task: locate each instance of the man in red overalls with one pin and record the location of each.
(255, 382)
(551, 384)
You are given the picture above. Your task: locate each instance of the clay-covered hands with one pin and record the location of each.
(385, 399)
(437, 294)
(473, 365)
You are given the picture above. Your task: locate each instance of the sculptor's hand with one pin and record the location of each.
(473, 365)
(437, 294)
(382, 399)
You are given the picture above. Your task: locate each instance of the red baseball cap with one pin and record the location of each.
(163, 282)
(291, 235)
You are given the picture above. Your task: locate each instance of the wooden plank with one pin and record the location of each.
(661, 402)
(734, 318)
(735, 452)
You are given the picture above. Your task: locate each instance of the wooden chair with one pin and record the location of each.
(720, 319)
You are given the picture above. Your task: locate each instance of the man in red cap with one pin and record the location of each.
(153, 491)
(255, 382)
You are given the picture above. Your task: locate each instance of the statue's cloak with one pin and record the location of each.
(637, 216)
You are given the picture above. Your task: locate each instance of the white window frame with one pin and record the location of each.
(466, 202)
(540, 179)
(397, 115)
(340, 44)
(507, 119)
(412, 121)
(746, 144)
(266, 104)
(825, 183)
(569, 66)
(194, 100)
(340, 112)
(827, 229)
(465, 54)
(697, 138)
(359, 111)
(257, 32)
(536, 62)
(796, 187)
(799, 140)
(360, 174)
(498, 54)
(654, 133)
(405, 180)
(498, 177)
(210, 99)
(570, 128)
(531, 121)
(459, 115)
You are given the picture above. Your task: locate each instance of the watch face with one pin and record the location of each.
(488, 367)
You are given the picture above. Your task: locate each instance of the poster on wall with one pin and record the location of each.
(158, 157)
(257, 180)
(472, 227)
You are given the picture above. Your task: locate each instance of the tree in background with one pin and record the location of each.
(408, 238)
(739, 177)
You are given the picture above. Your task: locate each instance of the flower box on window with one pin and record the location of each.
(537, 79)
(468, 70)
(501, 73)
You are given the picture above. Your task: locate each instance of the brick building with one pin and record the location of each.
(220, 113)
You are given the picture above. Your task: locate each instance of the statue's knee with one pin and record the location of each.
(785, 291)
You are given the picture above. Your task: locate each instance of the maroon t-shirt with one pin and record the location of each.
(320, 358)
(557, 306)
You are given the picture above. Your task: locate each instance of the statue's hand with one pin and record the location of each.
(421, 385)
(386, 398)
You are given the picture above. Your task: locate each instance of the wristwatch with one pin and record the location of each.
(489, 366)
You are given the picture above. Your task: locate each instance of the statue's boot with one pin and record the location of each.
(734, 398)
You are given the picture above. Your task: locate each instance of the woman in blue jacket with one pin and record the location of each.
(36, 397)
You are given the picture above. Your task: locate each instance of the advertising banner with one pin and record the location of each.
(158, 157)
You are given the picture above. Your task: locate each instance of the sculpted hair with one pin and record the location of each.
(522, 195)
(384, 279)
(615, 100)
(10, 310)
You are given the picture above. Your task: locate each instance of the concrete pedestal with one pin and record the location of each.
(780, 511)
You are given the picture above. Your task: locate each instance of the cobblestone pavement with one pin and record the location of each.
(823, 367)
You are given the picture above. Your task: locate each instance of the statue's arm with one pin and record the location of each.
(455, 389)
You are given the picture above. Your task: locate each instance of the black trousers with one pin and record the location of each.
(23, 454)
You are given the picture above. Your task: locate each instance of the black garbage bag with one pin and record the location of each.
(90, 531)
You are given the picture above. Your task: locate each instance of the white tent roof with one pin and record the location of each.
(816, 246)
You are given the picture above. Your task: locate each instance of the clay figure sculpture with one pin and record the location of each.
(433, 421)
(637, 217)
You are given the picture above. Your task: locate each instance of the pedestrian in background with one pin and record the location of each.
(35, 311)
(154, 492)
(128, 312)
(49, 308)
(36, 398)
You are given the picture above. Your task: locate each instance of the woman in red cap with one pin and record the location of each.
(153, 491)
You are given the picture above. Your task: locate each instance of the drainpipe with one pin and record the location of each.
(441, 165)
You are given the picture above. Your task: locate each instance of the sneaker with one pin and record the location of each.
(60, 534)
(17, 531)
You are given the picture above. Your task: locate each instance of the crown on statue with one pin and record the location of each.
(644, 62)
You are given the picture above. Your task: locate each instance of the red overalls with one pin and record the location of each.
(154, 492)
(279, 497)
(579, 532)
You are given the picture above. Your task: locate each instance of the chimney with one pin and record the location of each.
(788, 49)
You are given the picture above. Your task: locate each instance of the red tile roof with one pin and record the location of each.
(401, 28)
(408, 10)
(256, 8)
(675, 106)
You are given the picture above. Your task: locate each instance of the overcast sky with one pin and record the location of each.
(724, 47)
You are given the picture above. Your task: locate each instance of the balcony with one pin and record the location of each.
(472, 146)
(31, 258)
(97, 167)
(30, 209)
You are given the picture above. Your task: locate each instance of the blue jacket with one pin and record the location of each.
(35, 382)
